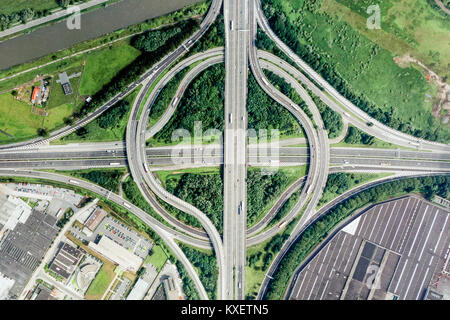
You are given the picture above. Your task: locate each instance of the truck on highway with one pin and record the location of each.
(281, 225)
(126, 205)
(145, 167)
(231, 25)
(239, 285)
(174, 101)
(230, 118)
(240, 208)
(114, 164)
(73, 181)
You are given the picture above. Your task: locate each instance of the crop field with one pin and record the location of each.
(362, 67)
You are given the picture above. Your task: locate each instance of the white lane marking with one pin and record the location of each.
(428, 235)
(351, 253)
(387, 224)
(400, 277)
(410, 281)
(310, 292)
(409, 224)
(301, 285)
(440, 235)
(421, 285)
(376, 220)
(324, 289)
(401, 219)
(417, 233)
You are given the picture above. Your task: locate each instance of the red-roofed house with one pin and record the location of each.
(35, 93)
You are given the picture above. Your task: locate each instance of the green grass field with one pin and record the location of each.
(324, 34)
(101, 282)
(408, 27)
(57, 96)
(10, 6)
(97, 134)
(103, 65)
(17, 120)
(157, 258)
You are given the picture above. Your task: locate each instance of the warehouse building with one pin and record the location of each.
(117, 254)
(66, 261)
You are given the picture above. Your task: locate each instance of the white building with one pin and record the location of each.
(139, 290)
(117, 254)
(12, 211)
(5, 285)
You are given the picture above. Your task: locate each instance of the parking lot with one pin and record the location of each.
(401, 242)
(124, 236)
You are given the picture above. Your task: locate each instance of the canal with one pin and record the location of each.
(55, 37)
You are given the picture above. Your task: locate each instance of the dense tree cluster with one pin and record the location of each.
(207, 267)
(213, 37)
(132, 193)
(165, 96)
(108, 179)
(331, 119)
(356, 136)
(204, 191)
(266, 113)
(202, 101)
(110, 118)
(337, 183)
(151, 41)
(188, 285)
(428, 186)
(262, 189)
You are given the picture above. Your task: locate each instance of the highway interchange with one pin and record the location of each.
(413, 157)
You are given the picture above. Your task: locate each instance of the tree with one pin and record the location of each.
(26, 14)
(14, 93)
(43, 132)
(69, 121)
(64, 3)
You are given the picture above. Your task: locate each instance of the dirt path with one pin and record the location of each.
(443, 87)
(441, 5)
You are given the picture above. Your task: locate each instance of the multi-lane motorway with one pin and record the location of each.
(235, 151)
(235, 154)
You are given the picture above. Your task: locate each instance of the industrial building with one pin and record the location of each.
(66, 261)
(139, 290)
(396, 250)
(117, 254)
(12, 211)
(94, 219)
(22, 249)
